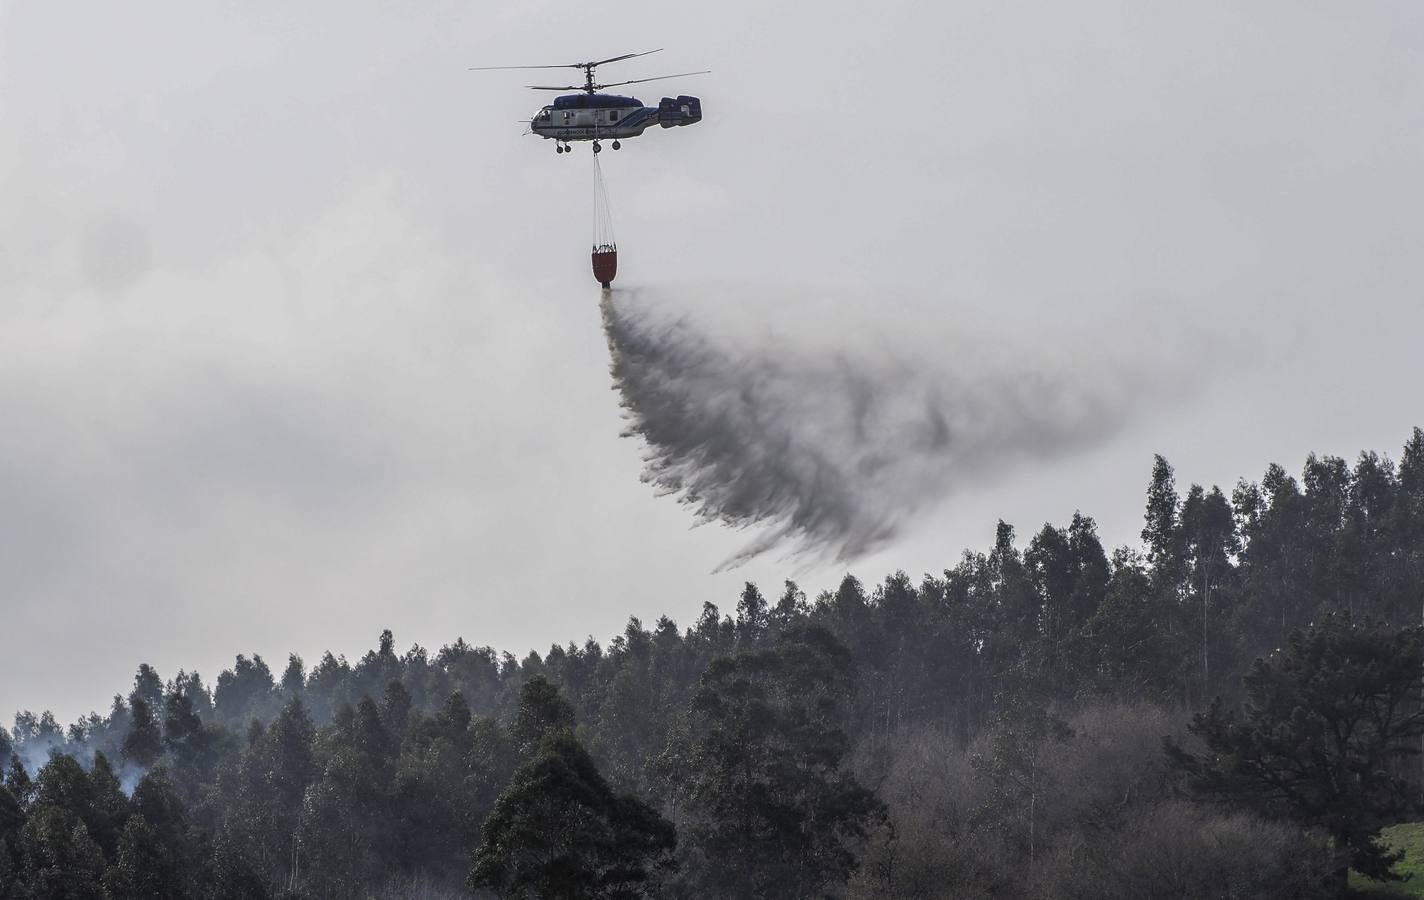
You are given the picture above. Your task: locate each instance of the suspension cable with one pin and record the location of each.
(602, 212)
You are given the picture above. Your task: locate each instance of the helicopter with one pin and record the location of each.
(595, 116)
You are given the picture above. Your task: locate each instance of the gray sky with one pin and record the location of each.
(298, 339)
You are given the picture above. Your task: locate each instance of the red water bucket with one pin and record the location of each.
(605, 264)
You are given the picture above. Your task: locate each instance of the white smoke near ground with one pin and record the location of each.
(33, 755)
(835, 437)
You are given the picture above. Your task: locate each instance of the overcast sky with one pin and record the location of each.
(298, 339)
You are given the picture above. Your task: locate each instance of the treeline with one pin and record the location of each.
(994, 730)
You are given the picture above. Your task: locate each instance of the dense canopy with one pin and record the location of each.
(994, 729)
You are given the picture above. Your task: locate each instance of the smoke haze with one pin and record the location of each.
(835, 441)
(298, 340)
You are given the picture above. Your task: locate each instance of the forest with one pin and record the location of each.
(1231, 708)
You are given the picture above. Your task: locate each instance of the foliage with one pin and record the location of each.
(559, 831)
(767, 801)
(1327, 723)
(1408, 841)
(781, 739)
(145, 866)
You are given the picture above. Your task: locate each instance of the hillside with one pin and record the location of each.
(996, 728)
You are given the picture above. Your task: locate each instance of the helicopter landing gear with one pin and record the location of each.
(597, 148)
(558, 148)
(616, 145)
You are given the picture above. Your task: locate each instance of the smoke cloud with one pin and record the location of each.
(836, 440)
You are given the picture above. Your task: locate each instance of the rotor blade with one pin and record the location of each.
(543, 87)
(564, 65)
(492, 68)
(619, 58)
(655, 78)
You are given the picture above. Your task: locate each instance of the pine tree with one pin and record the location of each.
(244, 691)
(144, 742)
(769, 806)
(59, 858)
(12, 821)
(542, 711)
(559, 831)
(286, 761)
(432, 803)
(165, 816)
(1208, 529)
(230, 873)
(188, 743)
(752, 616)
(396, 705)
(293, 677)
(107, 808)
(791, 609)
(19, 783)
(1161, 533)
(148, 687)
(145, 867)
(1327, 720)
(347, 825)
(190, 685)
(93, 797)
(11, 878)
(1126, 638)
(1272, 525)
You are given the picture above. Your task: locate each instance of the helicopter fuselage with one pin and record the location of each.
(600, 117)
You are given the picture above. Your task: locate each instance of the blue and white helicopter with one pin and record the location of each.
(595, 116)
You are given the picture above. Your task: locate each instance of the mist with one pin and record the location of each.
(837, 440)
(298, 339)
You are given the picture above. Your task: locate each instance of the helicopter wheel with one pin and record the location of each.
(558, 148)
(616, 145)
(596, 147)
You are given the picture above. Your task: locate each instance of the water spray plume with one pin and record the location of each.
(833, 449)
